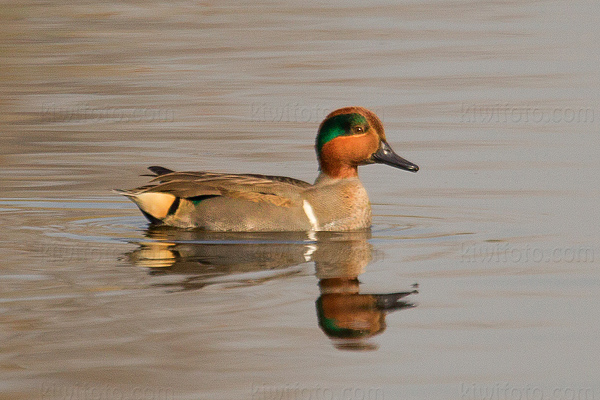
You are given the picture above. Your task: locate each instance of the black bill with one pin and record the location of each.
(385, 155)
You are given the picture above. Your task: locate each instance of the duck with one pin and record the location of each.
(347, 138)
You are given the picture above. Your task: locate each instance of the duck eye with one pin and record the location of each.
(358, 129)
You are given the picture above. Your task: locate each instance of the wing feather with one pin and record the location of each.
(278, 190)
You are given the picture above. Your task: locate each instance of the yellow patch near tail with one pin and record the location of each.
(154, 203)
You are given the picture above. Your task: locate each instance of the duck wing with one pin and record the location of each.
(278, 190)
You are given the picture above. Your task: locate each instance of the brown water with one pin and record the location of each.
(497, 102)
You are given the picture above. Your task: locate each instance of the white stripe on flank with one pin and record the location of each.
(308, 210)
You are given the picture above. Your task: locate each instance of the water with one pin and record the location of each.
(479, 278)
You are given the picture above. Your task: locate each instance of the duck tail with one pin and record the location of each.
(154, 205)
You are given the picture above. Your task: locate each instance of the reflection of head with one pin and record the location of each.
(350, 318)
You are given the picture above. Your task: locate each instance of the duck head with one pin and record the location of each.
(353, 136)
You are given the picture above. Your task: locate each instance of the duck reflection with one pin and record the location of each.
(197, 259)
(348, 317)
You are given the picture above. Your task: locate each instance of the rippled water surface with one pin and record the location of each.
(479, 278)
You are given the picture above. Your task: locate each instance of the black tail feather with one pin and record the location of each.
(160, 170)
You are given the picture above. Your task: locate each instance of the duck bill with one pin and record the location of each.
(393, 301)
(385, 155)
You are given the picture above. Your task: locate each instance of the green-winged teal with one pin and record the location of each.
(337, 201)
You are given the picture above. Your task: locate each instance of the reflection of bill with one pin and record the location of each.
(197, 259)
